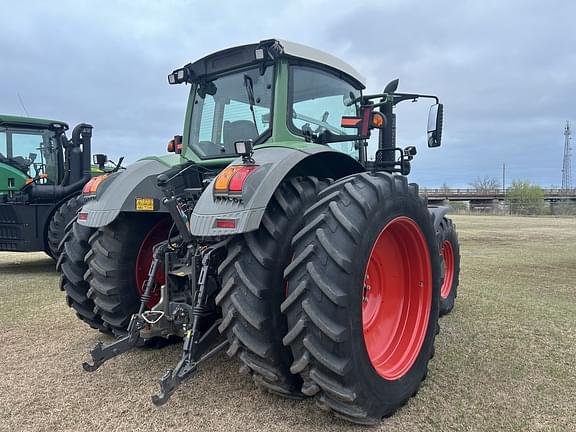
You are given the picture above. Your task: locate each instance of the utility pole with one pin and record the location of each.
(567, 163)
(504, 179)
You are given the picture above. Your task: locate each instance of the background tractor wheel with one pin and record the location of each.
(450, 259)
(118, 263)
(363, 293)
(72, 267)
(253, 288)
(60, 219)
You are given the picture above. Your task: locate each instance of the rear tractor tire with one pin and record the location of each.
(253, 288)
(450, 262)
(72, 267)
(118, 262)
(58, 223)
(363, 296)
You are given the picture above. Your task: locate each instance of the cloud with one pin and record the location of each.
(504, 70)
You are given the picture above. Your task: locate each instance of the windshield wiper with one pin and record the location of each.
(249, 86)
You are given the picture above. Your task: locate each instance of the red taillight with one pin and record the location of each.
(237, 181)
(232, 178)
(83, 216)
(92, 184)
(225, 223)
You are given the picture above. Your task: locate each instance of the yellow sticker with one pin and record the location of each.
(145, 204)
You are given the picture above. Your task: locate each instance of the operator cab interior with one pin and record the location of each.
(230, 108)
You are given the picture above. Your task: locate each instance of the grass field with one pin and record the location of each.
(505, 358)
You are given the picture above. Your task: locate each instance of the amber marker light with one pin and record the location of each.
(378, 120)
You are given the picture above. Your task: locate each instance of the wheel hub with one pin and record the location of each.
(396, 298)
(447, 253)
(158, 233)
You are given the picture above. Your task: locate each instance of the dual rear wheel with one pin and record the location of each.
(353, 320)
(103, 270)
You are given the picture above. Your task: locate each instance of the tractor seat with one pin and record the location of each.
(236, 131)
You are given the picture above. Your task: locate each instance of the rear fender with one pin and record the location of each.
(118, 193)
(274, 165)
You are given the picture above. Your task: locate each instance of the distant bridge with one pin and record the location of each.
(492, 200)
(444, 194)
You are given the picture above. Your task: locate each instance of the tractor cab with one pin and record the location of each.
(279, 93)
(31, 150)
(271, 93)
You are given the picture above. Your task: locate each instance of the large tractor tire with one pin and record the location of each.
(72, 267)
(450, 259)
(253, 288)
(118, 263)
(362, 296)
(58, 223)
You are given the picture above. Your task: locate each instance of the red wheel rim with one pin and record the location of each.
(397, 297)
(448, 261)
(158, 233)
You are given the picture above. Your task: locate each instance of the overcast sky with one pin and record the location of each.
(505, 70)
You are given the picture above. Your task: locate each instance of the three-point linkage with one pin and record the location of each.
(195, 342)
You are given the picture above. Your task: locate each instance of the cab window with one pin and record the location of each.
(318, 100)
(27, 149)
(231, 108)
(3, 149)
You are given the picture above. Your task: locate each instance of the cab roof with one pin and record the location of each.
(30, 122)
(243, 55)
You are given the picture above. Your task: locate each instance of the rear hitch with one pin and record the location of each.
(187, 365)
(102, 353)
(195, 342)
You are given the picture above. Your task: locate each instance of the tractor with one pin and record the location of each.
(42, 174)
(270, 234)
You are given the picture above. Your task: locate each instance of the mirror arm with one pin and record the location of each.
(328, 137)
(399, 97)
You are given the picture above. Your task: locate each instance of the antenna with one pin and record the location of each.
(567, 163)
(22, 104)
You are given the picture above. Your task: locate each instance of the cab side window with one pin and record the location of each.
(319, 100)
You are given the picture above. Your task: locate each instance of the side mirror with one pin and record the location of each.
(175, 145)
(435, 119)
(99, 159)
(392, 86)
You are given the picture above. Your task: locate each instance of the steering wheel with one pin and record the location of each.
(321, 123)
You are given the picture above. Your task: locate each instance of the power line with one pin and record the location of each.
(567, 163)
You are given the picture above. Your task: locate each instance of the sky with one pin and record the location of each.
(505, 70)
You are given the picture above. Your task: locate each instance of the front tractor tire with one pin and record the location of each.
(118, 262)
(253, 288)
(362, 296)
(58, 223)
(450, 261)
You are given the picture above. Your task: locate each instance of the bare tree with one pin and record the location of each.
(485, 184)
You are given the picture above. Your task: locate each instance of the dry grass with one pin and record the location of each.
(504, 358)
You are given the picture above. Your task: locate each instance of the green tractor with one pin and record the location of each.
(42, 174)
(271, 235)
